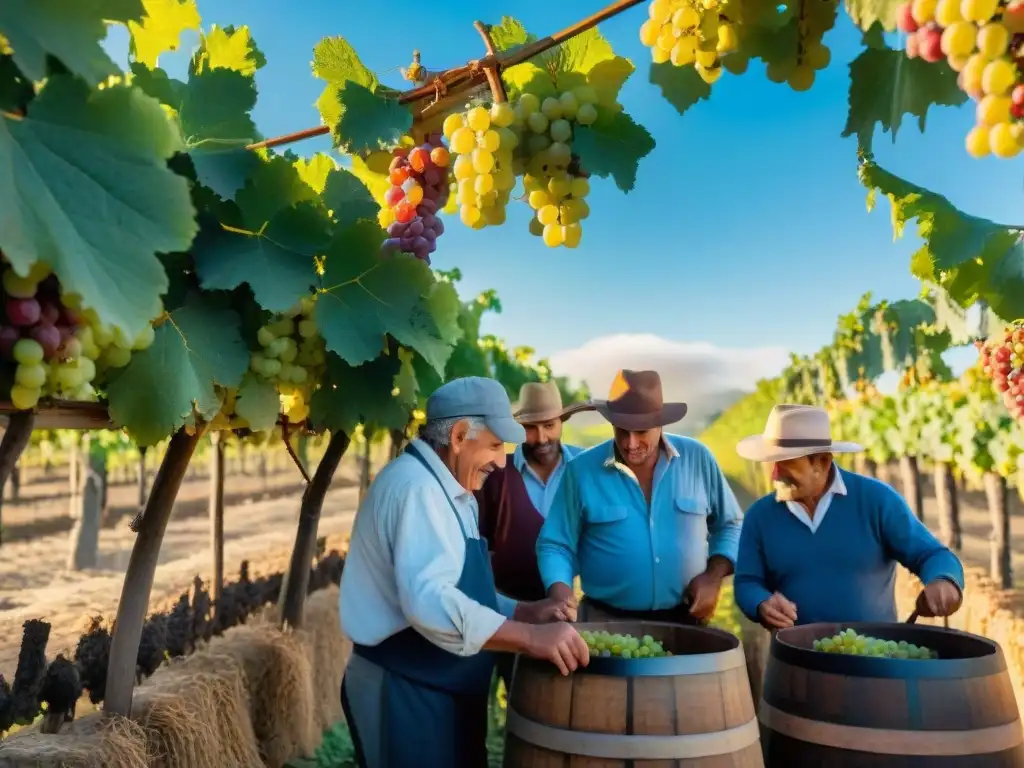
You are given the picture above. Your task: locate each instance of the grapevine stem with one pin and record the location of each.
(285, 437)
(492, 71)
(475, 73)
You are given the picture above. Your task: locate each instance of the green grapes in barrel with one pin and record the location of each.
(60, 348)
(606, 644)
(849, 642)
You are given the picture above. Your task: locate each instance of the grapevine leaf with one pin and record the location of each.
(607, 78)
(276, 184)
(865, 13)
(682, 87)
(161, 28)
(581, 53)
(15, 89)
(276, 261)
(348, 198)
(87, 190)
(405, 379)
(228, 48)
(70, 32)
(885, 85)
(156, 83)
(257, 402)
(528, 78)
(197, 347)
(373, 172)
(613, 146)
(335, 61)
(314, 171)
(969, 257)
(224, 170)
(509, 34)
(367, 297)
(354, 395)
(369, 120)
(215, 109)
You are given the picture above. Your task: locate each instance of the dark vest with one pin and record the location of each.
(511, 524)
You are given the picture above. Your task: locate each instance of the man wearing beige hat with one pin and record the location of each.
(646, 519)
(824, 546)
(515, 498)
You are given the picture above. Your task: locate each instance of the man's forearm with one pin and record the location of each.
(719, 566)
(512, 636)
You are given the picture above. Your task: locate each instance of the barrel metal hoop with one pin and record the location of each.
(666, 666)
(883, 741)
(612, 746)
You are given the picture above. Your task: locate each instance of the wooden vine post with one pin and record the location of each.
(997, 493)
(949, 506)
(296, 581)
(13, 444)
(142, 477)
(217, 512)
(150, 526)
(910, 480)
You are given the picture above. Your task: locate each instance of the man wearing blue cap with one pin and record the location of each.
(418, 598)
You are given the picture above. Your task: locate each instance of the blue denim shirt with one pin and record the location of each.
(629, 555)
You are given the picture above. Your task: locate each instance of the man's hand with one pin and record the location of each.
(545, 611)
(940, 598)
(560, 644)
(562, 593)
(703, 592)
(777, 612)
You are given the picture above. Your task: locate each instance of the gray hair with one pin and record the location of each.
(437, 433)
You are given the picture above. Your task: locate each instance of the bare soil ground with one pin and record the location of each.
(35, 584)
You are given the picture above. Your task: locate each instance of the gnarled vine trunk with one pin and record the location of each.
(296, 581)
(949, 506)
(138, 579)
(365, 470)
(142, 477)
(910, 480)
(13, 444)
(998, 495)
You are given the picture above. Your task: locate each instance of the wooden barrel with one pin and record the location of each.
(821, 709)
(689, 710)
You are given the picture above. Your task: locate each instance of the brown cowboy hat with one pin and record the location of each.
(635, 402)
(541, 402)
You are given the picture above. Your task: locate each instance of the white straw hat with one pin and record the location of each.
(793, 431)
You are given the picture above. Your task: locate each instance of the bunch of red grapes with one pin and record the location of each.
(1003, 362)
(419, 189)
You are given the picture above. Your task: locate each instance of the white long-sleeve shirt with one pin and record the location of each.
(406, 556)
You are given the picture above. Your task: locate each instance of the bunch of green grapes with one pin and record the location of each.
(605, 644)
(555, 185)
(482, 141)
(60, 348)
(292, 356)
(690, 33)
(851, 643)
(814, 19)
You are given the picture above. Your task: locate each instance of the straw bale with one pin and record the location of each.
(93, 741)
(330, 651)
(195, 713)
(279, 677)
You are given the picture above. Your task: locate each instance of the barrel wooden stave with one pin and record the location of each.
(685, 705)
(889, 713)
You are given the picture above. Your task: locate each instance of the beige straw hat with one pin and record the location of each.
(793, 431)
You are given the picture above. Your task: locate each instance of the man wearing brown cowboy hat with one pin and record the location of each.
(646, 519)
(824, 546)
(515, 498)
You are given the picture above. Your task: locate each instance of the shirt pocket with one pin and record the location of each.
(691, 520)
(606, 514)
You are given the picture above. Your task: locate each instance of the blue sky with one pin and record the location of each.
(747, 227)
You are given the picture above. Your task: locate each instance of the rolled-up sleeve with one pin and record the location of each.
(427, 571)
(725, 518)
(560, 535)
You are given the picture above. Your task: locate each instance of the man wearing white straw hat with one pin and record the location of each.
(515, 499)
(824, 546)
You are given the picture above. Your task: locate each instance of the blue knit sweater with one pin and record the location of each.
(845, 571)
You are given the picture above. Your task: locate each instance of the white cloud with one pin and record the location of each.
(688, 369)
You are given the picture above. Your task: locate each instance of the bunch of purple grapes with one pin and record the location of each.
(419, 189)
(33, 310)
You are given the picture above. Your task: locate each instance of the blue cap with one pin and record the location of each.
(475, 396)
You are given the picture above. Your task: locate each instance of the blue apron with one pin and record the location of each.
(434, 712)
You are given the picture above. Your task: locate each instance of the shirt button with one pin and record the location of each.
(657, 560)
